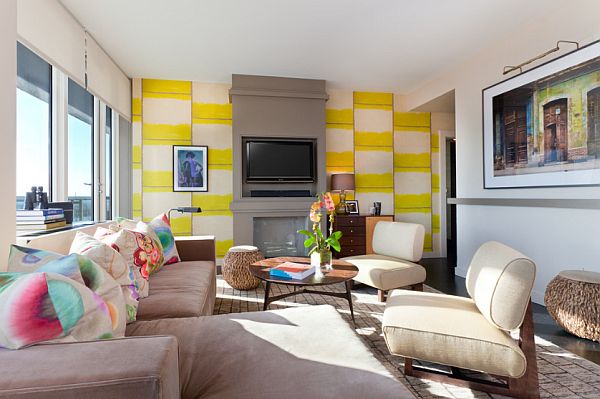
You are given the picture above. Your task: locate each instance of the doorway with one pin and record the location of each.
(448, 190)
(593, 126)
(555, 131)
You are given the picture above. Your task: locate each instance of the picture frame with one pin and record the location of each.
(352, 207)
(541, 128)
(190, 168)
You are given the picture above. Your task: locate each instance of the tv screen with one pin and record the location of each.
(280, 161)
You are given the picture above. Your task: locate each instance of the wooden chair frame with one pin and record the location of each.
(525, 387)
(382, 295)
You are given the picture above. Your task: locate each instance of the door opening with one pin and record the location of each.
(451, 209)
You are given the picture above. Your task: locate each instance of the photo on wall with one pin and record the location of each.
(542, 128)
(190, 168)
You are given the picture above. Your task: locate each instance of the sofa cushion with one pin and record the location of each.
(500, 281)
(183, 289)
(385, 272)
(133, 368)
(399, 240)
(162, 227)
(449, 330)
(308, 352)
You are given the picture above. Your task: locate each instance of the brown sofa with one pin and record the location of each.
(178, 349)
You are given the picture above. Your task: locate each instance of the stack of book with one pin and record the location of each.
(290, 270)
(40, 219)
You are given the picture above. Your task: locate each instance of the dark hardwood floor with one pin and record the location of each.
(440, 275)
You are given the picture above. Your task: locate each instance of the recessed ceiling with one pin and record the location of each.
(386, 45)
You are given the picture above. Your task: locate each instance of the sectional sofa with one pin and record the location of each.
(177, 348)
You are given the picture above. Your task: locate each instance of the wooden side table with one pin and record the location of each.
(357, 233)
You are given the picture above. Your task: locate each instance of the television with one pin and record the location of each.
(279, 161)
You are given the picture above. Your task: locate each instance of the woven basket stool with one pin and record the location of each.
(235, 267)
(573, 300)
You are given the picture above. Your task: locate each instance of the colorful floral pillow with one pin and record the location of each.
(140, 227)
(29, 260)
(114, 264)
(162, 226)
(48, 307)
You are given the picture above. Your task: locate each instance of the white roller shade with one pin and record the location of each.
(106, 80)
(46, 27)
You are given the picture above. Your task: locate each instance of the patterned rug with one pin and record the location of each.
(562, 374)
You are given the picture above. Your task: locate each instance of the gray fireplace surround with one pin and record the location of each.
(283, 108)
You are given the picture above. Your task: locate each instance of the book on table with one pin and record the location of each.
(39, 219)
(40, 212)
(54, 224)
(294, 271)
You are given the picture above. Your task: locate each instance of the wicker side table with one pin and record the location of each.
(573, 300)
(235, 267)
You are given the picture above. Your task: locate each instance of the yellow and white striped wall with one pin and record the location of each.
(167, 113)
(340, 134)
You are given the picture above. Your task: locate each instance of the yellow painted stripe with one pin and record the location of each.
(171, 96)
(219, 156)
(171, 132)
(211, 111)
(412, 170)
(157, 178)
(435, 150)
(163, 189)
(167, 142)
(435, 180)
(223, 246)
(363, 97)
(381, 139)
(137, 214)
(435, 140)
(166, 86)
(373, 148)
(412, 200)
(427, 244)
(182, 224)
(418, 129)
(340, 169)
(344, 126)
(136, 106)
(412, 119)
(198, 121)
(136, 165)
(345, 116)
(412, 210)
(435, 221)
(422, 160)
(345, 158)
(366, 180)
(381, 107)
(136, 154)
(137, 201)
(136, 118)
(212, 201)
(369, 190)
(220, 167)
(435, 189)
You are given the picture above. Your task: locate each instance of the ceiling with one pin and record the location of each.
(386, 45)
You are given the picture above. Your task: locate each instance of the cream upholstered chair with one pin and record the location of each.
(397, 246)
(472, 333)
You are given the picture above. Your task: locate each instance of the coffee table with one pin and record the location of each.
(342, 272)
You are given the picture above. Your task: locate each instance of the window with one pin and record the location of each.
(34, 89)
(81, 152)
(108, 151)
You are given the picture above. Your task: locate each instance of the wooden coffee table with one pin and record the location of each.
(342, 272)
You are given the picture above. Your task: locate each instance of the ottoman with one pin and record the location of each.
(573, 300)
(235, 267)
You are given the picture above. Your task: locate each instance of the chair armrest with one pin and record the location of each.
(192, 248)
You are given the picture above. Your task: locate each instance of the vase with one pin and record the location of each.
(315, 261)
(326, 258)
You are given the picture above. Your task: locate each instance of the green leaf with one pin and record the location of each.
(337, 235)
(312, 251)
(305, 232)
(308, 242)
(320, 233)
(336, 245)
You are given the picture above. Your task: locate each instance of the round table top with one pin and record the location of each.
(342, 271)
(581, 275)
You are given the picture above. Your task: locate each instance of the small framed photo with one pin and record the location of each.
(190, 168)
(352, 207)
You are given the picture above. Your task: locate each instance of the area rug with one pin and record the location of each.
(562, 374)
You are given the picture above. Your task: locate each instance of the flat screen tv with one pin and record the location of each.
(271, 161)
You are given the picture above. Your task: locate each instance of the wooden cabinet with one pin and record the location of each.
(357, 233)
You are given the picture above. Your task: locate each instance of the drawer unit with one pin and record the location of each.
(357, 233)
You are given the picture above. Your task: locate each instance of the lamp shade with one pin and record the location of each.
(342, 181)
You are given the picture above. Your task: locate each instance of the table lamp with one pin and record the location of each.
(342, 182)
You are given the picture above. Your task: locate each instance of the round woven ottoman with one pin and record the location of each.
(573, 300)
(235, 267)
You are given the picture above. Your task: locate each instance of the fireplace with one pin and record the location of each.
(278, 236)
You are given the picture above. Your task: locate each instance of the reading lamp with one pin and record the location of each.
(342, 182)
(183, 209)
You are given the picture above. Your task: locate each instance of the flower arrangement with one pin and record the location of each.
(319, 242)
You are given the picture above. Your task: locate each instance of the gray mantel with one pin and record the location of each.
(274, 107)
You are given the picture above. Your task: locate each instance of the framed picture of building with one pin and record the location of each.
(542, 127)
(190, 168)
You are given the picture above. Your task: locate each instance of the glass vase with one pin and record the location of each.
(326, 258)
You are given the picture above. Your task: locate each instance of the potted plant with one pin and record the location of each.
(320, 253)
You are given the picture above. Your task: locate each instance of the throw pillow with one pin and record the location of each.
(162, 226)
(23, 260)
(114, 264)
(48, 307)
(146, 230)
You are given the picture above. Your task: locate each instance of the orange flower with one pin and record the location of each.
(315, 214)
(329, 205)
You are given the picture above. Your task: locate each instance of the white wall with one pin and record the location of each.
(555, 239)
(8, 84)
